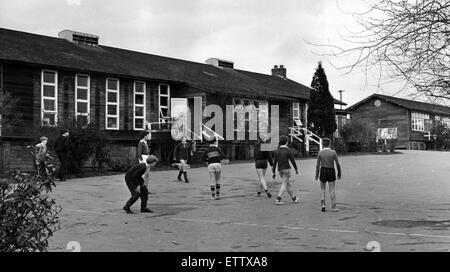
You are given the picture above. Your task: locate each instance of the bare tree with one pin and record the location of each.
(406, 39)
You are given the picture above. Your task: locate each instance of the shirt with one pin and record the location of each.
(182, 151)
(213, 155)
(135, 173)
(62, 144)
(282, 157)
(143, 149)
(326, 159)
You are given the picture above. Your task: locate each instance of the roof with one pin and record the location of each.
(17, 46)
(405, 103)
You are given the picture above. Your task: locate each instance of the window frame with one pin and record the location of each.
(55, 98)
(88, 94)
(296, 106)
(117, 104)
(161, 117)
(139, 105)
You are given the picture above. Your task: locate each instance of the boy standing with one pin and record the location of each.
(325, 166)
(213, 156)
(137, 185)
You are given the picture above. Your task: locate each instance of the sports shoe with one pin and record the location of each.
(295, 199)
(217, 197)
(279, 202)
(259, 193)
(146, 210)
(127, 209)
(323, 208)
(213, 198)
(334, 209)
(269, 195)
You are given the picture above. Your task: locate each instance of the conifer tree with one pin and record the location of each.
(321, 115)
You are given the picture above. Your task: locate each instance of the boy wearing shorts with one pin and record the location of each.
(282, 158)
(325, 172)
(213, 156)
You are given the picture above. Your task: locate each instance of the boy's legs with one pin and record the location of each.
(323, 186)
(217, 177)
(132, 186)
(331, 186)
(184, 170)
(284, 182)
(212, 178)
(291, 192)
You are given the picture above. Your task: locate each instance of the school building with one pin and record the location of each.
(410, 122)
(125, 92)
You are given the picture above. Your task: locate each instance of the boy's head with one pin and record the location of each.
(326, 142)
(284, 140)
(151, 160)
(43, 139)
(146, 135)
(64, 132)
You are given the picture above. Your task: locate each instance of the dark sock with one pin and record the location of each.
(185, 177)
(278, 197)
(213, 191)
(179, 174)
(218, 189)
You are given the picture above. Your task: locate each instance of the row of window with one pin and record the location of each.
(422, 121)
(49, 100)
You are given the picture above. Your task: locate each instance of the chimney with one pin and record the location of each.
(79, 37)
(279, 71)
(220, 63)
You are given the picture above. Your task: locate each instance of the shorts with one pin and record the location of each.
(214, 167)
(285, 173)
(327, 175)
(261, 164)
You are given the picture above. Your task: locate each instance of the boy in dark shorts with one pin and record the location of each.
(213, 156)
(325, 167)
(261, 159)
(136, 184)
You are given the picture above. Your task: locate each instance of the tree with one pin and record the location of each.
(321, 115)
(405, 39)
(441, 134)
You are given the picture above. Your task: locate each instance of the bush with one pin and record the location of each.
(28, 218)
(358, 136)
(85, 142)
(121, 165)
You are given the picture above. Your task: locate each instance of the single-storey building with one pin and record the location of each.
(410, 122)
(125, 92)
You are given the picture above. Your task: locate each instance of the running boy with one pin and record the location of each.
(325, 166)
(213, 156)
(282, 157)
(137, 185)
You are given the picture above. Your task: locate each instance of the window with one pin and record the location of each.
(112, 103)
(49, 97)
(139, 105)
(296, 110)
(164, 104)
(418, 121)
(245, 107)
(82, 98)
(446, 121)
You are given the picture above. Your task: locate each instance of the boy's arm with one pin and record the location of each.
(317, 167)
(292, 159)
(338, 165)
(275, 161)
(269, 157)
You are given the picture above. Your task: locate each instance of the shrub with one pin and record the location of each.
(85, 142)
(120, 165)
(358, 136)
(28, 218)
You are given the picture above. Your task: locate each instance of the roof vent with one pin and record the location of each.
(220, 63)
(79, 37)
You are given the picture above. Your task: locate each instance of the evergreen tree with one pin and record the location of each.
(321, 115)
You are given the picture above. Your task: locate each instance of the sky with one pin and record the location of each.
(254, 34)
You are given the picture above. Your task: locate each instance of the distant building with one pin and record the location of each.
(411, 121)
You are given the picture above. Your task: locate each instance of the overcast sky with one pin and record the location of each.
(254, 34)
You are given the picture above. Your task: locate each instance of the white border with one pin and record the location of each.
(88, 101)
(117, 116)
(55, 98)
(139, 105)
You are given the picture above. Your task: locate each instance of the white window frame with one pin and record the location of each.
(55, 98)
(88, 100)
(162, 119)
(139, 105)
(117, 116)
(418, 124)
(296, 107)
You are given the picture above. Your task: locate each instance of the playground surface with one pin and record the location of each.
(401, 201)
